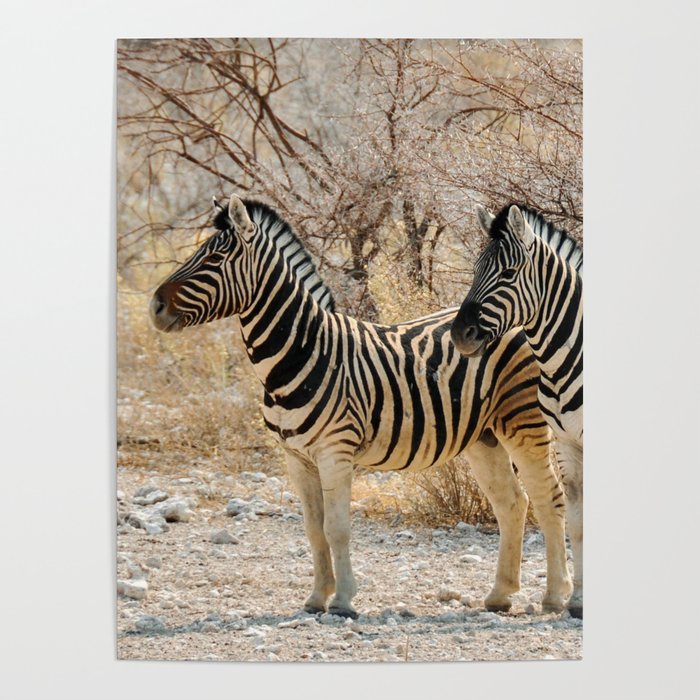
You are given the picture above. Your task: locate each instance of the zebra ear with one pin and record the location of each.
(485, 218)
(217, 207)
(239, 217)
(519, 226)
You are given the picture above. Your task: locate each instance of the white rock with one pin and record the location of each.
(175, 510)
(223, 537)
(152, 523)
(290, 624)
(465, 528)
(133, 588)
(154, 496)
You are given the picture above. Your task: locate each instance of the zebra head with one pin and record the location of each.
(501, 296)
(209, 285)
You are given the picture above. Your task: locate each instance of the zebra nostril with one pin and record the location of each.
(158, 305)
(470, 332)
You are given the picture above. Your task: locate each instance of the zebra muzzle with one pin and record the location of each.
(161, 315)
(468, 338)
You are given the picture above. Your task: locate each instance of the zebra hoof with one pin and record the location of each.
(343, 612)
(498, 607)
(576, 611)
(313, 609)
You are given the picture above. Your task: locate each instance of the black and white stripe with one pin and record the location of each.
(341, 392)
(531, 275)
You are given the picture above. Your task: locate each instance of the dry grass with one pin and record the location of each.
(186, 397)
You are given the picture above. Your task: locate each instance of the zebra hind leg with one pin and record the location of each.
(492, 470)
(530, 452)
(307, 484)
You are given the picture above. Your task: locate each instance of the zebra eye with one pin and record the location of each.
(213, 259)
(509, 274)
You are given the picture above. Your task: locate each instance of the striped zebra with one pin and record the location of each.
(339, 392)
(530, 275)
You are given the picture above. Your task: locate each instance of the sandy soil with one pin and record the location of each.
(420, 590)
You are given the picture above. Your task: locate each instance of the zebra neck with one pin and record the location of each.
(281, 330)
(556, 332)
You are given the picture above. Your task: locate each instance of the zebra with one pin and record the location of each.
(340, 393)
(530, 275)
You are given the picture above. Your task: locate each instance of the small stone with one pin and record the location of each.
(465, 528)
(150, 623)
(223, 537)
(151, 497)
(470, 559)
(391, 622)
(166, 604)
(328, 619)
(154, 562)
(133, 588)
(530, 609)
(152, 523)
(445, 595)
(120, 495)
(236, 506)
(405, 535)
(289, 624)
(175, 510)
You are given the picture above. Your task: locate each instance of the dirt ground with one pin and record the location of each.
(197, 582)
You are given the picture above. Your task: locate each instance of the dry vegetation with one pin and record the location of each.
(376, 152)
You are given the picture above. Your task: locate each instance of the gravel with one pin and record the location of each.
(226, 578)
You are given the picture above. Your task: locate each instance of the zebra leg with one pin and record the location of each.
(307, 484)
(492, 470)
(570, 458)
(336, 480)
(532, 458)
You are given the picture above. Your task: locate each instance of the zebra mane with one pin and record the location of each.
(559, 240)
(281, 235)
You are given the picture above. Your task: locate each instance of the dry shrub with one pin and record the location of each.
(449, 494)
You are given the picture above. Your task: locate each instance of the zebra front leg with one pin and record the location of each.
(570, 458)
(307, 484)
(336, 480)
(531, 455)
(493, 472)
